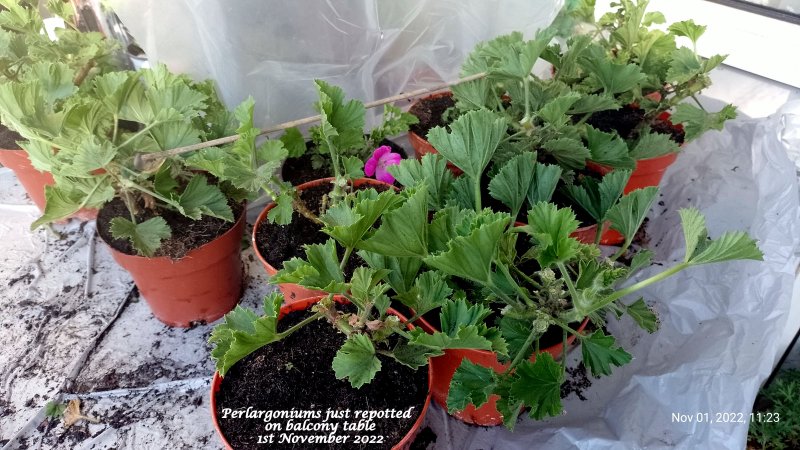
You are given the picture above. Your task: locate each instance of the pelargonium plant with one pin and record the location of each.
(88, 141)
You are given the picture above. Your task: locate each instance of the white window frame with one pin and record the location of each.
(754, 42)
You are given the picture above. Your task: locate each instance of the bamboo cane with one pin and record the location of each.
(141, 161)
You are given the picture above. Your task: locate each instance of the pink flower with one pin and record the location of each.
(382, 158)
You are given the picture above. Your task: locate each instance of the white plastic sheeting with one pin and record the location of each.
(273, 50)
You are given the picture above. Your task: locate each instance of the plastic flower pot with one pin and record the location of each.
(200, 287)
(609, 237)
(294, 292)
(444, 367)
(301, 305)
(649, 171)
(35, 181)
(421, 145)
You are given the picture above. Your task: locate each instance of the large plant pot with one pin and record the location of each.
(294, 292)
(444, 367)
(200, 287)
(35, 181)
(301, 305)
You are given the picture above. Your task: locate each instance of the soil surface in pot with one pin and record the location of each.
(429, 112)
(301, 170)
(295, 375)
(625, 120)
(279, 243)
(187, 234)
(9, 138)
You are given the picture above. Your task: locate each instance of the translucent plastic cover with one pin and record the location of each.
(273, 50)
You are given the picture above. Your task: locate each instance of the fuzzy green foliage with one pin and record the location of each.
(88, 139)
(782, 430)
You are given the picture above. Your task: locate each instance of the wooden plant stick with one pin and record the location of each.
(141, 161)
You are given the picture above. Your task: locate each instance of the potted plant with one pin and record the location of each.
(644, 69)
(352, 328)
(176, 231)
(279, 232)
(23, 50)
(509, 283)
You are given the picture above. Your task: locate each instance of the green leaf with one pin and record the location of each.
(431, 170)
(629, 213)
(651, 145)
(516, 333)
(689, 29)
(200, 198)
(294, 143)
(518, 63)
(353, 167)
(403, 231)
(598, 198)
(471, 256)
(342, 124)
(600, 353)
(467, 337)
(458, 313)
(145, 237)
(414, 356)
(695, 232)
(242, 332)
(349, 223)
(609, 149)
(471, 385)
(643, 315)
(395, 122)
(593, 103)
(356, 361)
(641, 259)
(728, 247)
(402, 271)
(555, 111)
(512, 183)
(55, 79)
(550, 227)
(430, 291)
(538, 385)
(543, 185)
(695, 121)
(163, 181)
(685, 65)
(320, 271)
(570, 153)
(610, 77)
(473, 139)
(281, 213)
(58, 205)
(366, 286)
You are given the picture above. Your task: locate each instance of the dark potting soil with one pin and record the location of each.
(187, 234)
(623, 120)
(279, 243)
(429, 112)
(665, 127)
(577, 382)
(296, 375)
(9, 138)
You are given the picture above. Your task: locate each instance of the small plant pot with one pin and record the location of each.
(421, 145)
(35, 181)
(200, 287)
(648, 171)
(294, 292)
(444, 367)
(609, 237)
(301, 305)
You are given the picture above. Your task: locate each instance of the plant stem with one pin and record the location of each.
(140, 132)
(521, 353)
(598, 234)
(303, 323)
(566, 327)
(698, 103)
(622, 250)
(526, 277)
(644, 283)
(116, 129)
(476, 189)
(527, 88)
(564, 348)
(565, 273)
(347, 252)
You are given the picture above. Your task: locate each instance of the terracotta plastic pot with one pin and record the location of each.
(202, 286)
(649, 171)
(294, 292)
(609, 237)
(421, 145)
(302, 305)
(35, 181)
(444, 367)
